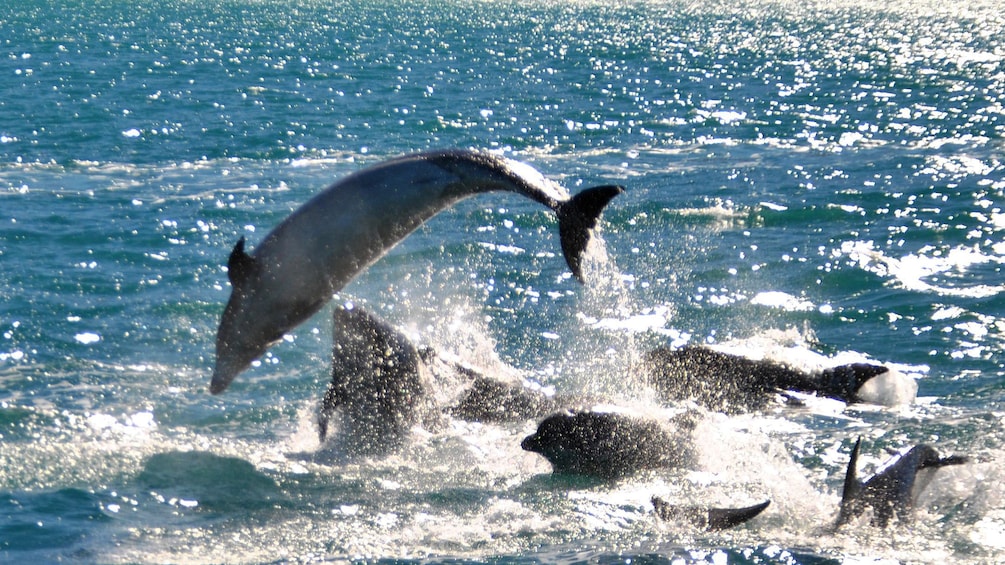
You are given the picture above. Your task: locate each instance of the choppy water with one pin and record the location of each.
(812, 181)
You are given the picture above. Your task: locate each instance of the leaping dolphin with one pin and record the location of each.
(334, 236)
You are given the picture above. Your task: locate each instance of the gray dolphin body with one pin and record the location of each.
(329, 240)
(891, 492)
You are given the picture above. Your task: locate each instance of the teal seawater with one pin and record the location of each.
(814, 181)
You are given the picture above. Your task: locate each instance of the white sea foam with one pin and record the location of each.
(87, 338)
(910, 271)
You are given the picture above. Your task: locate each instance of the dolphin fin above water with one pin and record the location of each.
(576, 220)
(337, 234)
(709, 519)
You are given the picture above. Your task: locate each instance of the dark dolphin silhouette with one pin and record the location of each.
(707, 518)
(608, 445)
(733, 384)
(382, 385)
(377, 392)
(891, 491)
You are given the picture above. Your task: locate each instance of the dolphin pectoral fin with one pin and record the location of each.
(577, 217)
(707, 518)
(240, 265)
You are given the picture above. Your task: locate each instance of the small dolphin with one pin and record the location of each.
(709, 519)
(891, 491)
(606, 445)
(734, 384)
(329, 240)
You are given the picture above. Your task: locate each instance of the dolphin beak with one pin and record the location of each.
(224, 373)
(530, 443)
(220, 382)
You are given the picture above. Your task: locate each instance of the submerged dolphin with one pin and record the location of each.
(891, 491)
(329, 240)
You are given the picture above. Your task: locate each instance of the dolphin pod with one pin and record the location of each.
(382, 385)
(381, 382)
(334, 236)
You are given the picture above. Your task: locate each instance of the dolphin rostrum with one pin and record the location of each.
(333, 237)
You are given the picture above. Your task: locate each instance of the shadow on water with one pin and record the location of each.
(211, 482)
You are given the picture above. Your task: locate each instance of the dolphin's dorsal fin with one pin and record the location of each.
(240, 265)
(851, 487)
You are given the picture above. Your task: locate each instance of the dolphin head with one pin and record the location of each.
(235, 350)
(238, 339)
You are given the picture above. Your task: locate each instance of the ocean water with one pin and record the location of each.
(817, 182)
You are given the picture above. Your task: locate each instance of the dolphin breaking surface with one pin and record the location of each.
(329, 240)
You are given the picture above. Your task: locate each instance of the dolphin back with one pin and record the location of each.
(576, 219)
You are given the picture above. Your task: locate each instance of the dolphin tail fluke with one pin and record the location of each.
(707, 518)
(850, 492)
(579, 215)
